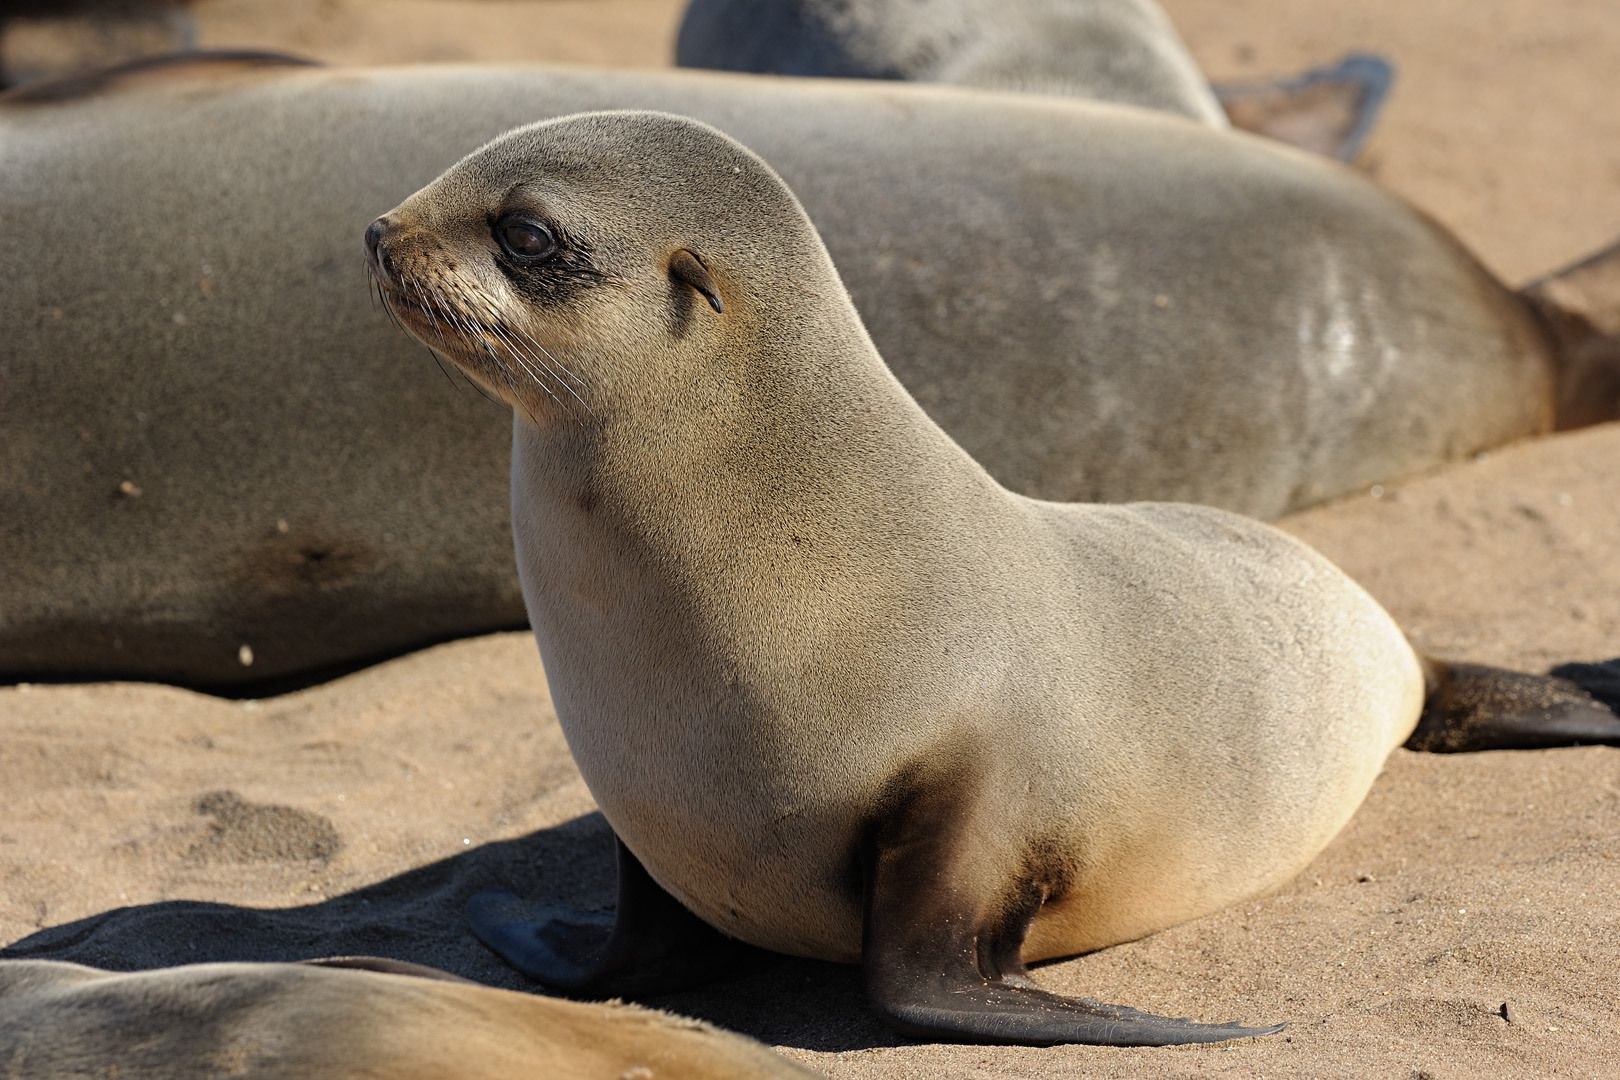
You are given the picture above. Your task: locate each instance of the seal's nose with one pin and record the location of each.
(379, 258)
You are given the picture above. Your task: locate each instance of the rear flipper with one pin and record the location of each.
(942, 949)
(1330, 110)
(1470, 707)
(1580, 306)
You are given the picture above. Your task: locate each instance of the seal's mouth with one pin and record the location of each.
(411, 311)
(455, 319)
(505, 358)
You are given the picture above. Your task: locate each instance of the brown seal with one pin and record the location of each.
(838, 692)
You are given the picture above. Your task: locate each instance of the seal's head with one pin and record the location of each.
(596, 262)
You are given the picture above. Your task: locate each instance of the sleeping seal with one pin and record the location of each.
(215, 451)
(1121, 51)
(339, 1019)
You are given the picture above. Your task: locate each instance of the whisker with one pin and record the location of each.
(438, 363)
(493, 328)
(378, 299)
(452, 309)
(558, 363)
(522, 358)
(531, 340)
(491, 351)
(506, 334)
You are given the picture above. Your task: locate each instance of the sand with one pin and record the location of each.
(147, 825)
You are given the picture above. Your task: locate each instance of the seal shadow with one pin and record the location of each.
(419, 917)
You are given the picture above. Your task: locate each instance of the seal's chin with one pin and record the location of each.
(438, 333)
(501, 358)
(413, 315)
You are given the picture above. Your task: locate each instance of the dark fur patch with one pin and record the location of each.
(561, 278)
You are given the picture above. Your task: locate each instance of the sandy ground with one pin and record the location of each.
(147, 825)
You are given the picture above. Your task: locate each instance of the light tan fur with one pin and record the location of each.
(765, 584)
(298, 1022)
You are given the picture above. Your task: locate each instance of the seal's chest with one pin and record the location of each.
(749, 847)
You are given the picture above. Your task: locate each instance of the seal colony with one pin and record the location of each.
(337, 1019)
(838, 692)
(1157, 330)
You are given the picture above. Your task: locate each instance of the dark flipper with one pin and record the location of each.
(943, 941)
(1329, 110)
(651, 944)
(1580, 305)
(1470, 707)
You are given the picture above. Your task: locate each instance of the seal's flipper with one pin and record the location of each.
(1329, 110)
(1470, 707)
(942, 942)
(1580, 304)
(650, 945)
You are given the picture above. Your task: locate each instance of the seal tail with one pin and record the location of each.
(1580, 306)
(1471, 707)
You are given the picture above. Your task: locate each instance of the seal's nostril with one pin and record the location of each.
(374, 233)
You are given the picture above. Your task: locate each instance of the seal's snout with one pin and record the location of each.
(377, 253)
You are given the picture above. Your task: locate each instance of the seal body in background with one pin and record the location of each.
(1124, 51)
(337, 1019)
(214, 441)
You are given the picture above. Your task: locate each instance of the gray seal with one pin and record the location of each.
(215, 450)
(1122, 51)
(838, 692)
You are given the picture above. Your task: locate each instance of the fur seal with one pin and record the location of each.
(1172, 312)
(838, 692)
(1121, 51)
(319, 1021)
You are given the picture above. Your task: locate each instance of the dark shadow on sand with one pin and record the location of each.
(418, 916)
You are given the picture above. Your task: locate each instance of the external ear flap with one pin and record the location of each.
(685, 266)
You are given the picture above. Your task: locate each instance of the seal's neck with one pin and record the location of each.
(805, 423)
(802, 465)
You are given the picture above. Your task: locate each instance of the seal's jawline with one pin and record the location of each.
(441, 337)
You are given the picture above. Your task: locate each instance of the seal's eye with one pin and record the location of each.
(523, 239)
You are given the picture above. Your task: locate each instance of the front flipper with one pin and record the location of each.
(943, 938)
(650, 945)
